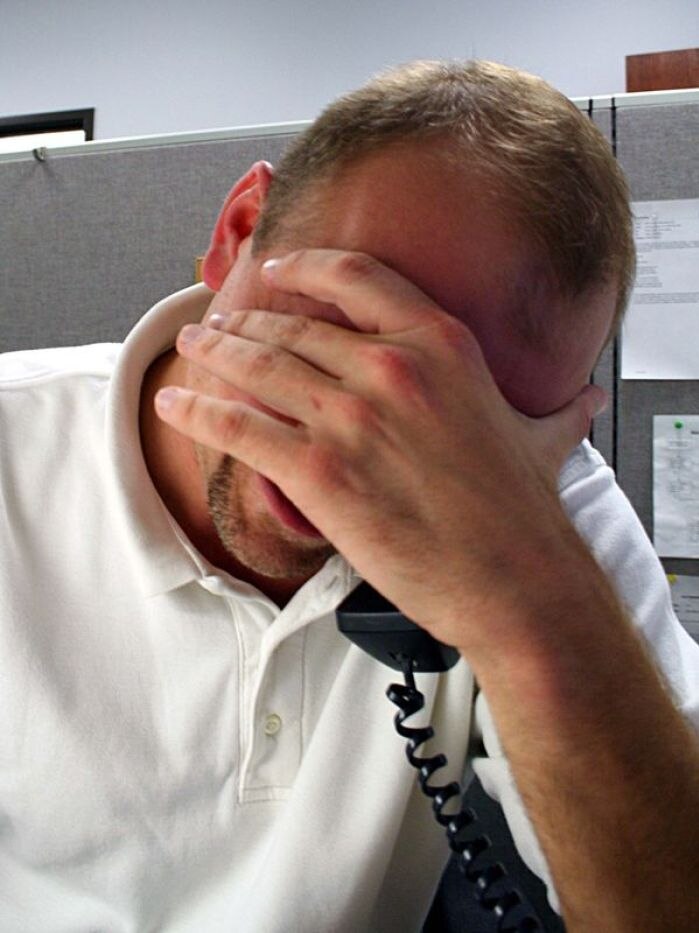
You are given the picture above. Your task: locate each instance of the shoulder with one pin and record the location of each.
(604, 517)
(607, 522)
(20, 368)
(52, 408)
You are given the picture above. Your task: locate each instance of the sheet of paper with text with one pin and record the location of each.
(676, 485)
(660, 336)
(685, 601)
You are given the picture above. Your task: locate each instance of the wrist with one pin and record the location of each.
(558, 667)
(541, 610)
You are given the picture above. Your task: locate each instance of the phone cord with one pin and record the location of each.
(409, 700)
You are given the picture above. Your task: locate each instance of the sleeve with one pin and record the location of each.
(606, 521)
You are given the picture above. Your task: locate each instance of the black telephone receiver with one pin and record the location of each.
(377, 627)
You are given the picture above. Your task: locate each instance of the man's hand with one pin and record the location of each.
(396, 444)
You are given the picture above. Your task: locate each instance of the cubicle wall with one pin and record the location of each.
(656, 139)
(93, 235)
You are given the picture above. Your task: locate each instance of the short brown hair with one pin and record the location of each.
(552, 168)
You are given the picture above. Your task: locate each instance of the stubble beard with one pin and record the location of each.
(252, 536)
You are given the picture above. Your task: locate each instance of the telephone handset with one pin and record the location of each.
(377, 627)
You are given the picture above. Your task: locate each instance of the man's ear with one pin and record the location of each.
(236, 222)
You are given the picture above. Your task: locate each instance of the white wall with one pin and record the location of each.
(151, 66)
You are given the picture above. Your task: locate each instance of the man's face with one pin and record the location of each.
(436, 228)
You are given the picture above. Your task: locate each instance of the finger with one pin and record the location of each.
(562, 431)
(329, 347)
(271, 374)
(265, 444)
(375, 298)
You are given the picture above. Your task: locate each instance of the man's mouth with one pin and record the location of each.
(285, 510)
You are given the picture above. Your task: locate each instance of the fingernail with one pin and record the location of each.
(217, 321)
(270, 265)
(166, 398)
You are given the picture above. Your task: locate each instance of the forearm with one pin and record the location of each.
(411, 441)
(606, 766)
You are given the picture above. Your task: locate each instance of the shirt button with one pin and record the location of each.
(273, 724)
(214, 585)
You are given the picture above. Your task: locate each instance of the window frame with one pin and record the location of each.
(31, 123)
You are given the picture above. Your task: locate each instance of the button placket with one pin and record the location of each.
(275, 754)
(250, 624)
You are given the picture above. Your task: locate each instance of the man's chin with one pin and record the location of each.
(260, 528)
(267, 553)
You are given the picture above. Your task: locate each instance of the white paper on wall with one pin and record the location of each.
(676, 485)
(685, 601)
(660, 336)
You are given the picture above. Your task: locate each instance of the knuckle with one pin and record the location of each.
(292, 328)
(396, 368)
(450, 329)
(231, 425)
(191, 403)
(455, 335)
(294, 262)
(354, 266)
(355, 410)
(262, 361)
(326, 466)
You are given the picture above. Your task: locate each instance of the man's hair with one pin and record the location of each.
(545, 162)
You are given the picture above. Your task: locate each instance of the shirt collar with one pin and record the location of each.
(162, 562)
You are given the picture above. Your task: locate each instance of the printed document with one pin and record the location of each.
(660, 336)
(676, 485)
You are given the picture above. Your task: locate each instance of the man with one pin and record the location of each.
(391, 382)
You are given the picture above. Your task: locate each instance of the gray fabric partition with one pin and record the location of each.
(657, 148)
(90, 241)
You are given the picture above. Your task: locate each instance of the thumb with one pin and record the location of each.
(561, 432)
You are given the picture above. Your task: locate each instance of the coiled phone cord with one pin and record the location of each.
(409, 700)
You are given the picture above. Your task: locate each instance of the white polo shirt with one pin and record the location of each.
(177, 753)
